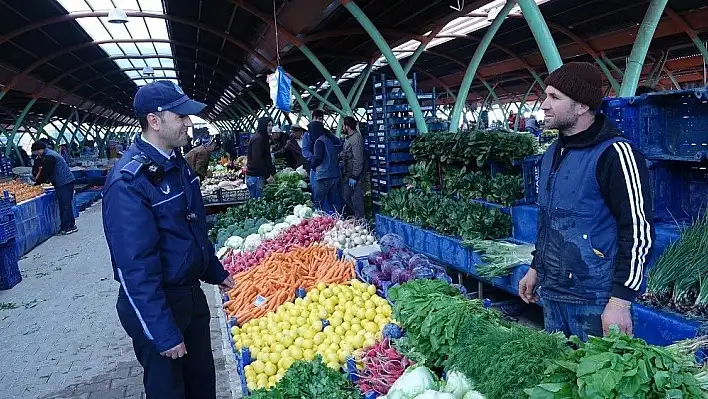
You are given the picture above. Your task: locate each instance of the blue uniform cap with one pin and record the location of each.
(164, 95)
(206, 140)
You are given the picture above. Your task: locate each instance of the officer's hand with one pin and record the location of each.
(270, 180)
(228, 283)
(352, 183)
(618, 312)
(176, 352)
(527, 287)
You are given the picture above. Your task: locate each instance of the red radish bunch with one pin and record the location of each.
(382, 367)
(303, 234)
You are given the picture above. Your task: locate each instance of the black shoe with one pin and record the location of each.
(70, 231)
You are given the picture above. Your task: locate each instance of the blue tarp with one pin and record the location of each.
(36, 221)
(655, 326)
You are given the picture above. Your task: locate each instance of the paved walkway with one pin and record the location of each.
(59, 333)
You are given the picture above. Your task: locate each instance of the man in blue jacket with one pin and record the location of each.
(154, 220)
(52, 168)
(595, 229)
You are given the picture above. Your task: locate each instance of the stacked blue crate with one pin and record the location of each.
(5, 166)
(243, 143)
(391, 129)
(9, 269)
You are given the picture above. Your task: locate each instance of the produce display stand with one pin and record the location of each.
(36, 221)
(656, 326)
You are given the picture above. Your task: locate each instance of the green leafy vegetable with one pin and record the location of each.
(618, 366)
(310, 380)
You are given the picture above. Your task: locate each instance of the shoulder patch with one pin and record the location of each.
(131, 169)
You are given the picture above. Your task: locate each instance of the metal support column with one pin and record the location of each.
(303, 106)
(523, 103)
(369, 27)
(317, 96)
(542, 34)
(474, 64)
(640, 48)
(328, 77)
(612, 65)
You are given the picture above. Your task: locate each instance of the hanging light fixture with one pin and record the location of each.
(148, 71)
(117, 16)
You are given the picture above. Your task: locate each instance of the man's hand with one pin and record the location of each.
(352, 183)
(228, 283)
(176, 352)
(270, 179)
(618, 312)
(527, 287)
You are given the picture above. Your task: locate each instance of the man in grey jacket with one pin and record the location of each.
(352, 157)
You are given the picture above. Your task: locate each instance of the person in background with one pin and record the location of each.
(352, 157)
(308, 144)
(595, 229)
(51, 168)
(291, 151)
(327, 193)
(278, 139)
(259, 164)
(64, 152)
(198, 158)
(155, 226)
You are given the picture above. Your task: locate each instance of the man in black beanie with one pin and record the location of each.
(595, 229)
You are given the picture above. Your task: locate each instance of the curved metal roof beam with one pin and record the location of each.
(68, 17)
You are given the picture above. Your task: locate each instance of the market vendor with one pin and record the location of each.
(292, 151)
(259, 164)
(50, 167)
(595, 229)
(154, 220)
(198, 158)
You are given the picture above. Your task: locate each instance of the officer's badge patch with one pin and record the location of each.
(165, 187)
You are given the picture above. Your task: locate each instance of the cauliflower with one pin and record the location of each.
(281, 227)
(251, 242)
(234, 242)
(292, 220)
(303, 212)
(265, 228)
(222, 252)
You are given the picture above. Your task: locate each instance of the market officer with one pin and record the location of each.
(154, 220)
(198, 157)
(595, 230)
(52, 168)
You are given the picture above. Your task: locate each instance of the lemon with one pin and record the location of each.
(269, 369)
(298, 342)
(274, 358)
(321, 286)
(263, 356)
(370, 304)
(369, 342)
(318, 338)
(238, 345)
(326, 342)
(346, 347)
(296, 352)
(308, 355)
(357, 341)
(317, 326)
(322, 348)
(370, 314)
(342, 356)
(371, 327)
(334, 365)
(335, 322)
(356, 321)
(255, 351)
(287, 362)
(335, 339)
(327, 292)
(301, 331)
(307, 344)
(339, 330)
(361, 313)
(287, 340)
(252, 386)
(284, 325)
(258, 366)
(328, 330)
(371, 289)
(346, 325)
(235, 330)
(301, 321)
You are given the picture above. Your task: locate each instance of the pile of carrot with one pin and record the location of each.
(271, 283)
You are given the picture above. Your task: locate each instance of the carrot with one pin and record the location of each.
(278, 277)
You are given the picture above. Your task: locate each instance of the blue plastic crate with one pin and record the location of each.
(680, 191)
(664, 125)
(531, 167)
(8, 231)
(10, 274)
(395, 145)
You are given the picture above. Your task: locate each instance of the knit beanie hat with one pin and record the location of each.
(581, 81)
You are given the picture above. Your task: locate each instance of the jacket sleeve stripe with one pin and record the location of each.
(641, 234)
(646, 228)
(132, 303)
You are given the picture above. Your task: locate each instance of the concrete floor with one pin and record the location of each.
(59, 332)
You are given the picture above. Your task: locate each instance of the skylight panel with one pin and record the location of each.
(137, 28)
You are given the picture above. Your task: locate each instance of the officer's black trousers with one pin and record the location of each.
(193, 375)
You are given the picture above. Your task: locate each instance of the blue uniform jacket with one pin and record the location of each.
(157, 237)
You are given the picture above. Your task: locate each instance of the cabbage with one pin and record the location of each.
(368, 271)
(389, 266)
(251, 242)
(423, 272)
(396, 276)
(457, 384)
(377, 278)
(430, 394)
(402, 277)
(375, 258)
(414, 381)
(443, 277)
(418, 260)
(292, 219)
(391, 241)
(473, 395)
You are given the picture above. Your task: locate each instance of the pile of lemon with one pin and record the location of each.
(356, 316)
